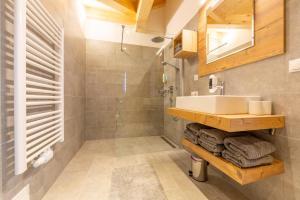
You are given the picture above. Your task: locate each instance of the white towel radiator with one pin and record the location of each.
(38, 82)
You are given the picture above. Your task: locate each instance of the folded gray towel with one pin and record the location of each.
(249, 146)
(190, 136)
(211, 147)
(196, 133)
(195, 127)
(241, 161)
(213, 135)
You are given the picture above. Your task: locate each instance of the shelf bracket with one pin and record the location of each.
(175, 119)
(272, 131)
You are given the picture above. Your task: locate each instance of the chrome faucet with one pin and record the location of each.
(221, 86)
(215, 84)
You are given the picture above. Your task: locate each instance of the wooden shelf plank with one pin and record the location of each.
(184, 54)
(231, 123)
(240, 175)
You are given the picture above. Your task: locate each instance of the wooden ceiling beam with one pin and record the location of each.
(123, 6)
(159, 3)
(110, 16)
(143, 12)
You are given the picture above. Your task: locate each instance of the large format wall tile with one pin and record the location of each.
(270, 79)
(110, 113)
(42, 178)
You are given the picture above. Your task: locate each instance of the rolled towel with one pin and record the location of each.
(190, 136)
(214, 136)
(248, 146)
(241, 161)
(211, 147)
(195, 127)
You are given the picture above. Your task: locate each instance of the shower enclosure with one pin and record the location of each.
(122, 91)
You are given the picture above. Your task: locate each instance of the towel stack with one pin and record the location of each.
(192, 132)
(248, 151)
(212, 140)
(241, 149)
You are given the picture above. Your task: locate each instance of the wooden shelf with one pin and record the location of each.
(241, 175)
(231, 123)
(187, 39)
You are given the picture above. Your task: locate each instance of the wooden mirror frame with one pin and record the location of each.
(269, 30)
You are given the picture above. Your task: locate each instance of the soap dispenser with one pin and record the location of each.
(213, 83)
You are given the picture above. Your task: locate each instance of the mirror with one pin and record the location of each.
(230, 28)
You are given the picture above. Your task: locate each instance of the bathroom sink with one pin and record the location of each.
(216, 104)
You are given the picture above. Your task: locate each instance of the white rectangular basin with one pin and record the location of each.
(216, 104)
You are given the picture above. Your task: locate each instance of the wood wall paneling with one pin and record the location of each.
(269, 38)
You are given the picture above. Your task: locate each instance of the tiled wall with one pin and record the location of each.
(112, 113)
(41, 179)
(270, 79)
(1, 88)
(172, 126)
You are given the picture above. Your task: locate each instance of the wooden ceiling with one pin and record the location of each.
(126, 12)
(232, 12)
(156, 3)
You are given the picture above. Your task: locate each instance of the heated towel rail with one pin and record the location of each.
(38, 82)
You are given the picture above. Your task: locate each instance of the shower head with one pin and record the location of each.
(164, 63)
(158, 39)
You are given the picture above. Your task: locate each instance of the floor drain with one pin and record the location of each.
(168, 142)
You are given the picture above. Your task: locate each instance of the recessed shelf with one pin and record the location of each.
(241, 175)
(185, 44)
(231, 123)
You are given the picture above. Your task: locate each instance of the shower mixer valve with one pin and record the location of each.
(171, 89)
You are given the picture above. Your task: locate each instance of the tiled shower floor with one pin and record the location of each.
(143, 168)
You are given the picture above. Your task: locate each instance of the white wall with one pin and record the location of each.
(179, 13)
(168, 20)
(112, 32)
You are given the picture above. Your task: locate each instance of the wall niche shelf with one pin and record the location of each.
(185, 44)
(241, 175)
(231, 123)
